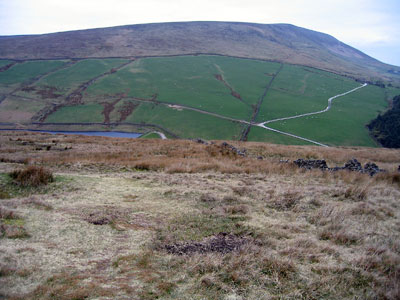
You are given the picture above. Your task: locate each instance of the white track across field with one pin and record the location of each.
(262, 124)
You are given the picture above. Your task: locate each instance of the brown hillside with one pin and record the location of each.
(279, 42)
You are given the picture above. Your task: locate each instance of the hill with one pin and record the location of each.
(274, 83)
(276, 42)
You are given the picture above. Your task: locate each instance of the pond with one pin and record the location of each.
(117, 134)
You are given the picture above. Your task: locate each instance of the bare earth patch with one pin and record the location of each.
(221, 243)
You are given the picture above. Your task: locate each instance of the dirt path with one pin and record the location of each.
(179, 106)
(292, 135)
(162, 135)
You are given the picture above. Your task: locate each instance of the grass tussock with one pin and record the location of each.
(67, 286)
(12, 224)
(32, 176)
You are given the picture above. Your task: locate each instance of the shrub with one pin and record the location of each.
(32, 176)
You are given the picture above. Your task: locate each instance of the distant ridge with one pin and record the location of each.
(277, 42)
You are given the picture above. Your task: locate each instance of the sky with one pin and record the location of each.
(371, 26)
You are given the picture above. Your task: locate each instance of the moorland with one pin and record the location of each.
(168, 219)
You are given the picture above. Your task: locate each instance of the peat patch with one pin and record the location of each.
(219, 243)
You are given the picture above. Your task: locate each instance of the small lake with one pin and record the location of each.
(116, 134)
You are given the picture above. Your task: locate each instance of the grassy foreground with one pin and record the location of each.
(163, 219)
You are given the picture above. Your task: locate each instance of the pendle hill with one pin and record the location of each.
(215, 80)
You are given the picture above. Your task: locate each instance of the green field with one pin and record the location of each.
(186, 123)
(18, 110)
(162, 90)
(345, 123)
(89, 113)
(299, 90)
(258, 134)
(22, 72)
(82, 71)
(190, 81)
(4, 62)
(151, 135)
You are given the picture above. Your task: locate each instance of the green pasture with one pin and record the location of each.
(186, 123)
(258, 134)
(88, 113)
(344, 124)
(4, 62)
(151, 135)
(84, 70)
(297, 90)
(18, 110)
(191, 81)
(23, 72)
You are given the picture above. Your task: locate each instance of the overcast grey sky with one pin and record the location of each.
(369, 25)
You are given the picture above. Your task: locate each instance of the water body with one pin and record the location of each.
(117, 134)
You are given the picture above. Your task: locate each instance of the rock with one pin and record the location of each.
(233, 149)
(372, 169)
(200, 141)
(311, 164)
(353, 165)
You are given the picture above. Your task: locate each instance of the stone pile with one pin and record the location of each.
(200, 141)
(233, 149)
(311, 164)
(352, 165)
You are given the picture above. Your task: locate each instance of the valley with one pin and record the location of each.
(215, 97)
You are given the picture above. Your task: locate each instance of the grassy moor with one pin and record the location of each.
(171, 219)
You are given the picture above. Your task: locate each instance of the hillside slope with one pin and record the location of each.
(278, 42)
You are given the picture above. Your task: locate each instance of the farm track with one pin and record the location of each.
(257, 109)
(262, 124)
(317, 112)
(189, 108)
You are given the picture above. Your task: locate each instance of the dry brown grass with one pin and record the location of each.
(32, 176)
(182, 156)
(301, 234)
